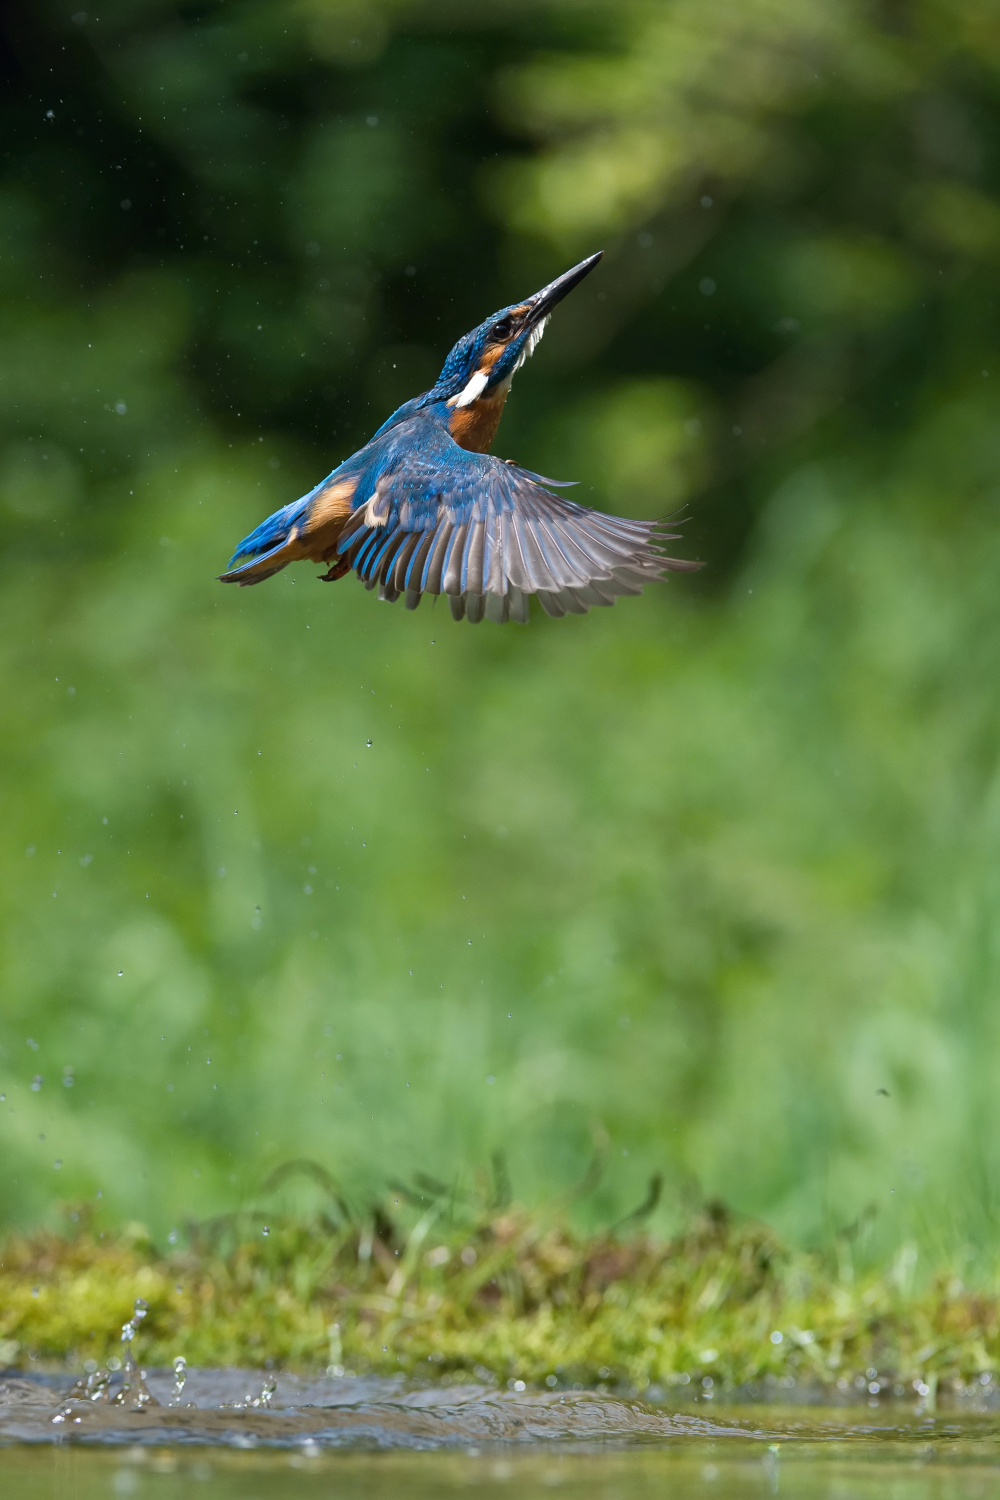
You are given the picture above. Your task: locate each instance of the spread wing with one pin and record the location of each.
(443, 520)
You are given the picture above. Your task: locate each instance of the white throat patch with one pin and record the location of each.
(473, 390)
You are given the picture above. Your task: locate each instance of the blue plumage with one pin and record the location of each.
(424, 507)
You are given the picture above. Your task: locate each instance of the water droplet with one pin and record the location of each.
(120, 973)
(36, 1083)
(368, 743)
(265, 1230)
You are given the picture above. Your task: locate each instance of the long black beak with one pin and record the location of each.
(543, 302)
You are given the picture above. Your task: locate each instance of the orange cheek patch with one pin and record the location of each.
(492, 352)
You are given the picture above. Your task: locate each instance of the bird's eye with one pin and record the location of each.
(502, 330)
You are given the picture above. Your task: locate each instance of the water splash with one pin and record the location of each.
(96, 1387)
(261, 1402)
(180, 1379)
(133, 1394)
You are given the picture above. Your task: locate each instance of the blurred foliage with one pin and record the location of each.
(499, 1296)
(710, 880)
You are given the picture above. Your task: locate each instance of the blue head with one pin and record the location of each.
(481, 364)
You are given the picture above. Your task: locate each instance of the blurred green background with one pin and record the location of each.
(708, 884)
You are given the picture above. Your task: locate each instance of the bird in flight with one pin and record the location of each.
(425, 508)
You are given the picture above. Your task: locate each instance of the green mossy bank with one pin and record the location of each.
(506, 1298)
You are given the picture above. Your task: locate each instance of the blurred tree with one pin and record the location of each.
(799, 200)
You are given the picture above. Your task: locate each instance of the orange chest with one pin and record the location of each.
(475, 426)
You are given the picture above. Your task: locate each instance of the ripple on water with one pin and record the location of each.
(241, 1409)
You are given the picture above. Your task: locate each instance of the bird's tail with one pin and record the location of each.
(268, 549)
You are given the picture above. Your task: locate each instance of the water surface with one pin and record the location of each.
(382, 1438)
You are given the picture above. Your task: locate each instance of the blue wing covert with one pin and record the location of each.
(488, 534)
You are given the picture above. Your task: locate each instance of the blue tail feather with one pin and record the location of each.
(267, 536)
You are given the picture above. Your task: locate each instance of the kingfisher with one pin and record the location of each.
(425, 507)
